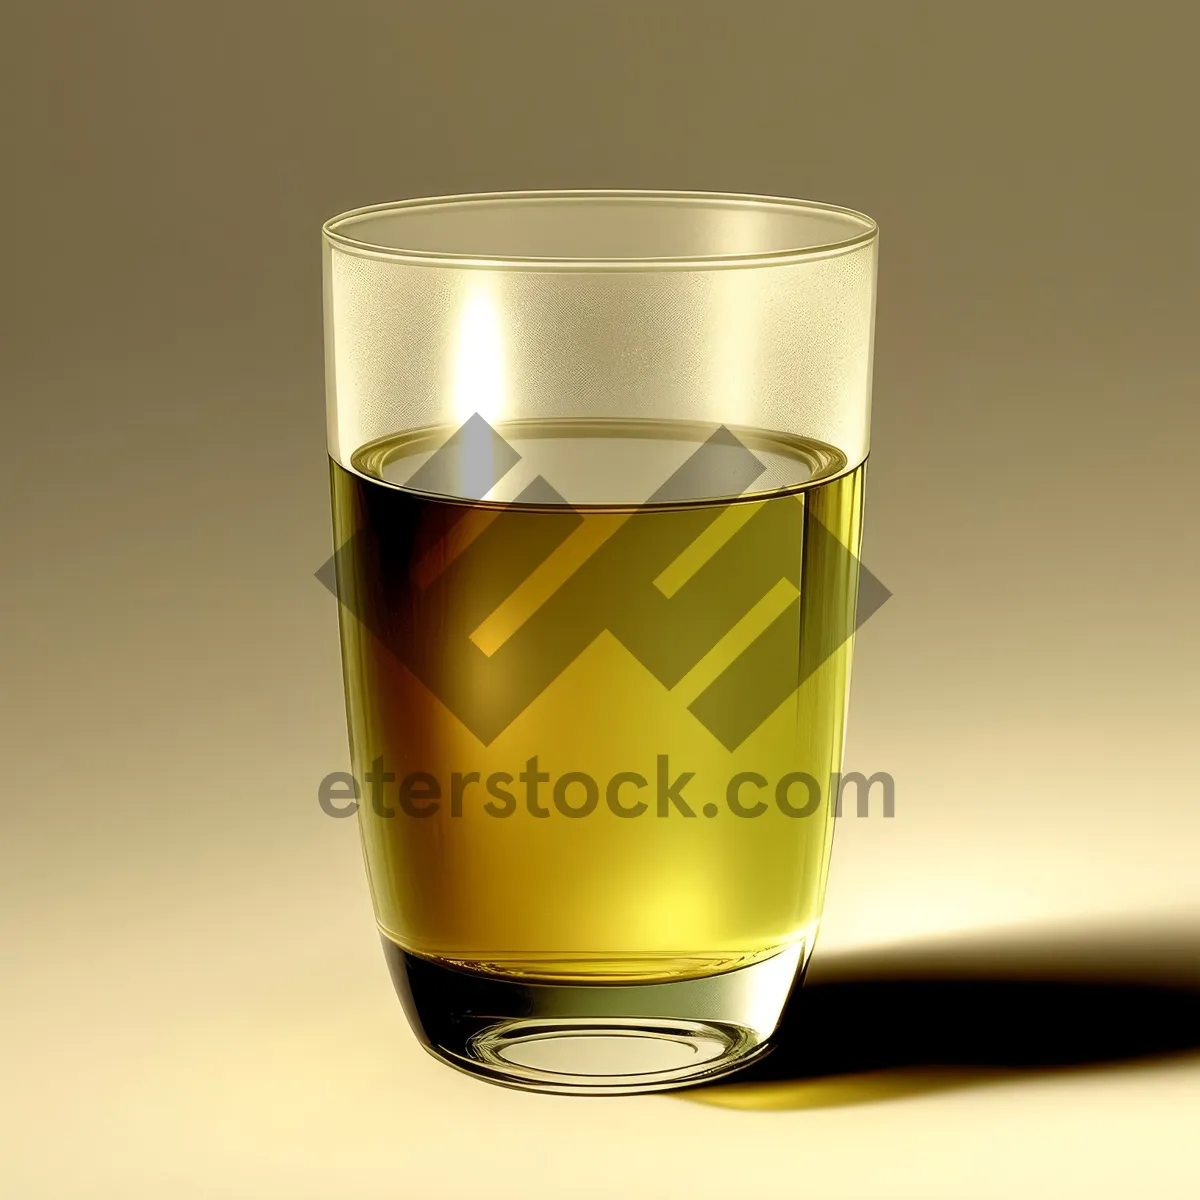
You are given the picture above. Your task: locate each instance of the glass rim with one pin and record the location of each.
(861, 231)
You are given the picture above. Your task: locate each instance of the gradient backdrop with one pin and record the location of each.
(193, 999)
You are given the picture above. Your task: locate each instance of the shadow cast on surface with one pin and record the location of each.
(869, 1027)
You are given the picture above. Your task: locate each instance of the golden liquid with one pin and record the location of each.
(762, 585)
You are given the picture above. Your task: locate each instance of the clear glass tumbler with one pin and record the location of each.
(597, 473)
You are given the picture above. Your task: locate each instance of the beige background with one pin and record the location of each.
(194, 1003)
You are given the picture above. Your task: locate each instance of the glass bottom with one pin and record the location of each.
(595, 1039)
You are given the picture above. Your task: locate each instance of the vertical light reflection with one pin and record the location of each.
(480, 388)
(479, 367)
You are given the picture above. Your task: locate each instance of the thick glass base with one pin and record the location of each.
(600, 1038)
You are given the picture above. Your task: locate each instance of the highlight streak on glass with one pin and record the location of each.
(480, 384)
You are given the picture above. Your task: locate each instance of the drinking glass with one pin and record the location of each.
(597, 467)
